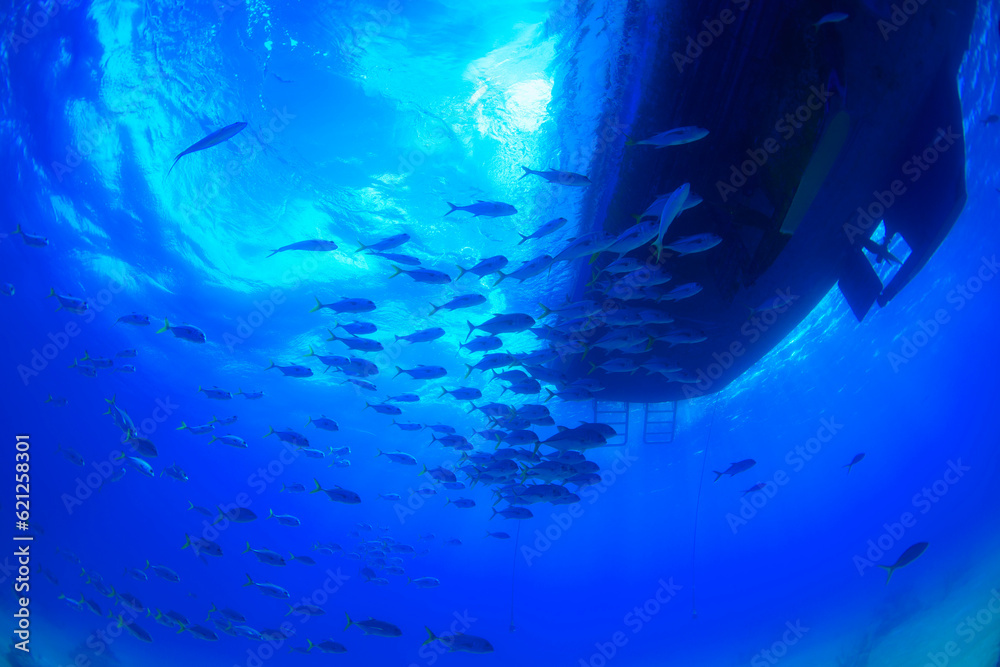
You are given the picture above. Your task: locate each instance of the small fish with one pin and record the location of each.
(230, 441)
(357, 328)
(404, 426)
(127, 354)
(6, 289)
(70, 303)
(528, 269)
(346, 306)
(588, 244)
(164, 572)
(462, 503)
(403, 398)
(558, 177)
(58, 401)
(398, 457)
(503, 323)
(250, 395)
(375, 627)
(489, 209)
(856, 460)
(175, 472)
(484, 267)
(429, 276)
(225, 421)
(735, 468)
(294, 370)
(270, 590)
(31, 239)
(834, 17)
(461, 301)
(216, 394)
(424, 582)
(500, 535)
(546, 229)
(196, 430)
(213, 139)
(383, 408)
(135, 319)
(695, 243)
(423, 336)
(314, 245)
(671, 209)
(385, 244)
(422, 372)
(907, 557)
(324, 423)
(338, 494)
(675, 137)
(184, 332)
(460, 642)
(482, 344)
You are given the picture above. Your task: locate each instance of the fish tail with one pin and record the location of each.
(249, 580)
(361, 246)
(273, 253)
(271, 366)
(17, 230)
(182, 426)
(319, 304)
(593, 367)
(546, 311)
(270, 431)
(166, 325)
(472, 327)
(453, 208)
(629, 141)
(398, 371)
(551, 395)
(469, 371)
(718, 475)
(398, 271)
(523, 237)
(461, 272)
(527, 172)
(889, 569)
(434, 309)
(443, 392)
(52, 290)
(176, 159)
(187, 541)
(502, 276)
(318, 486)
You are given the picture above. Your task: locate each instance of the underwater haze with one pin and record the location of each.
(355, 512)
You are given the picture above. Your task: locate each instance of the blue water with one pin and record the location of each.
(364, 120)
